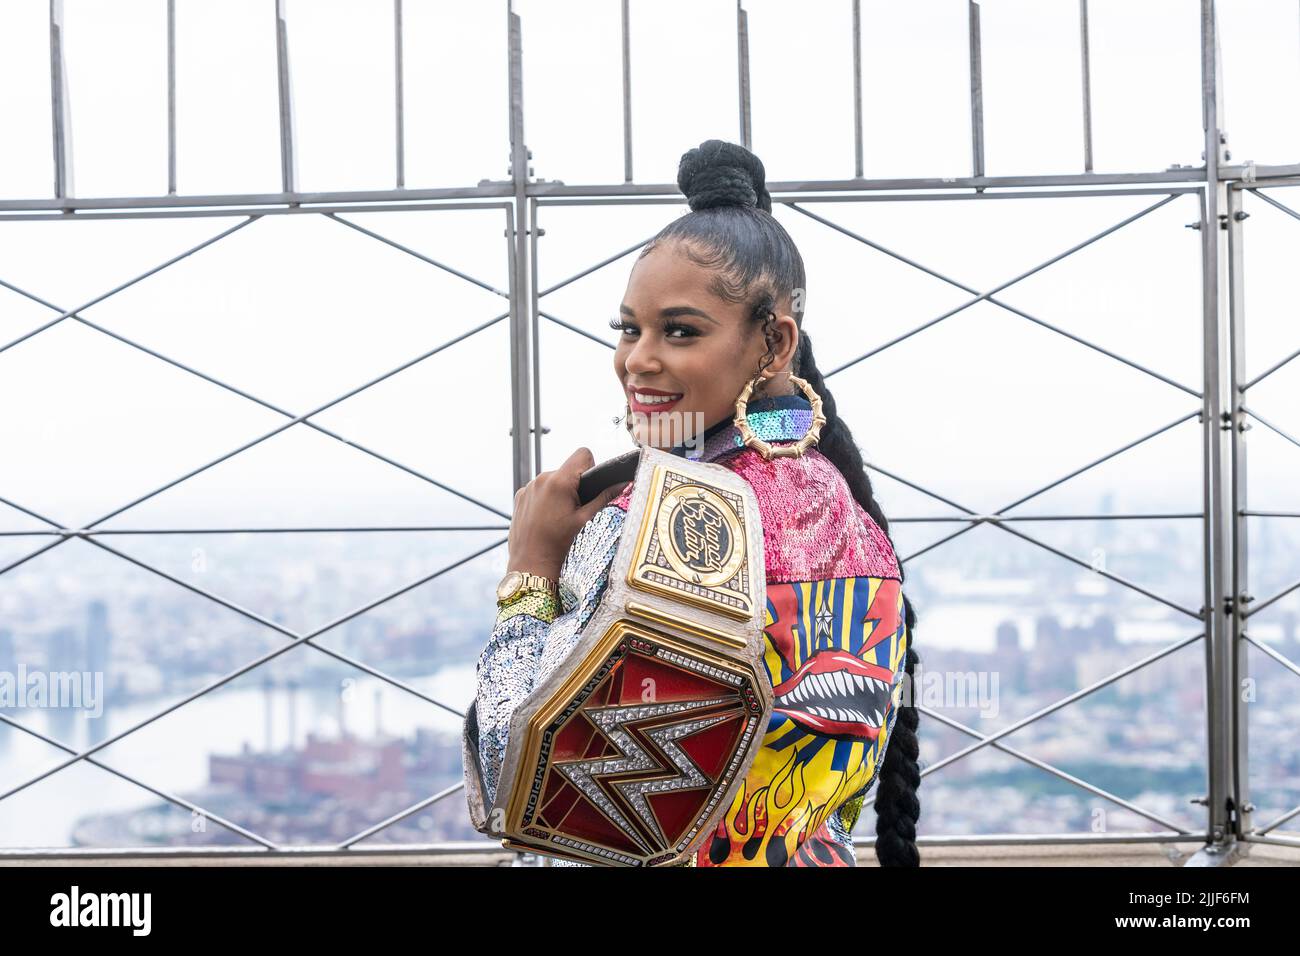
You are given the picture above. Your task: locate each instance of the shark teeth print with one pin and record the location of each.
(841, 696)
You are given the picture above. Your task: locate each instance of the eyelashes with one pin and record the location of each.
(621, 325)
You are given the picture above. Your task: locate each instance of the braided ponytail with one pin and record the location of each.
(897, 806)
(731, 231)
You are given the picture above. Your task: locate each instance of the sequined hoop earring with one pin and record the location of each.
(767, 450)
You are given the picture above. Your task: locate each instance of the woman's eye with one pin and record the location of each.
(671, 330)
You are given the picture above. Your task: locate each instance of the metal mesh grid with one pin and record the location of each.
(1219, 407)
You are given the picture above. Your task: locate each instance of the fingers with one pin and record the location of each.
(568, 474)
(587, 511)
(579, 461)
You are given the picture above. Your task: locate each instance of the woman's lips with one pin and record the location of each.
(648, 409)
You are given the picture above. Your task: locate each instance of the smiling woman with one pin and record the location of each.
(718, 370)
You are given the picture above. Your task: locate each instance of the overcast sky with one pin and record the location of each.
(297, 310)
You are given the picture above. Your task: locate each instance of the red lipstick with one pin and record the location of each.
(647, 409)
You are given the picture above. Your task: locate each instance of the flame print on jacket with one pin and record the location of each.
(835, 651)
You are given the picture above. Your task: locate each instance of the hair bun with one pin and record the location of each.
(717, 173)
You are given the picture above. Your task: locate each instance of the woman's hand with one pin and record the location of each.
(547, 516)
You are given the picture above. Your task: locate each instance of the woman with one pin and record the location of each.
(715, 303)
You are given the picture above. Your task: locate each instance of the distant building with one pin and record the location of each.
(99, 638)
(1102, 633)
(62, 650)
(1008, 638)
(1047, 630)
(1008, 655)
(346, 768)
(1106, 530)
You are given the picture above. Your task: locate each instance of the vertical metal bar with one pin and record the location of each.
(627, 102)
(742, 64)
(398, 82)
(1216, 475)
(976, 91)
(1086, 62)
(288, 160)
(171, 97)
(61, 111)
(535, 310)
(520, 367)
(1240, 578)
(857, 88)
(518, 417)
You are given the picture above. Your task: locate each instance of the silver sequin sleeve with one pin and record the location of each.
(524, 649)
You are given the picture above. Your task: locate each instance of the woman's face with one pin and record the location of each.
(680, 339)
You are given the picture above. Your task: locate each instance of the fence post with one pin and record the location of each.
(1216, 423)
(520, 345)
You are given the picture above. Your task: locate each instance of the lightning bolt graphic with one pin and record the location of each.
(634, 757)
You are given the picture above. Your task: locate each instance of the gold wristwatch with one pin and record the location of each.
(515, 583)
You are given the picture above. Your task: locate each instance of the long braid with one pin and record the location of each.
(897, 805)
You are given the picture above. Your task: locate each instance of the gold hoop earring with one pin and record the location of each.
(766, 449)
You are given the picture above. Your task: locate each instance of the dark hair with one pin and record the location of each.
(730, 231)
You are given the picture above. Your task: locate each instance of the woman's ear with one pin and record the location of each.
(788, 329)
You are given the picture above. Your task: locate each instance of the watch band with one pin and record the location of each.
(532, 594)
(535, 582)
(523, 581)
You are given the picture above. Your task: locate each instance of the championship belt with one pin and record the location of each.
(633, 747)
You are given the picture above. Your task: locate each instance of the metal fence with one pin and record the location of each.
(1217, 402)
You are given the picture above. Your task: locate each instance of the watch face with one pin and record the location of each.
(509, 585)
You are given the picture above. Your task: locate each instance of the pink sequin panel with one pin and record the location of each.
(813, 528)
(624, 497)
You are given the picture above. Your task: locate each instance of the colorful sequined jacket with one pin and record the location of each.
(835, 645)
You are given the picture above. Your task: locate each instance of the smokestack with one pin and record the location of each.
(379, 725)
(268, 699)
(293, 714)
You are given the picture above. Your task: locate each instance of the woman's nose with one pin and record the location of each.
(643, 358)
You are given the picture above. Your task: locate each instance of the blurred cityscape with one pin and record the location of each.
(307, 749)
